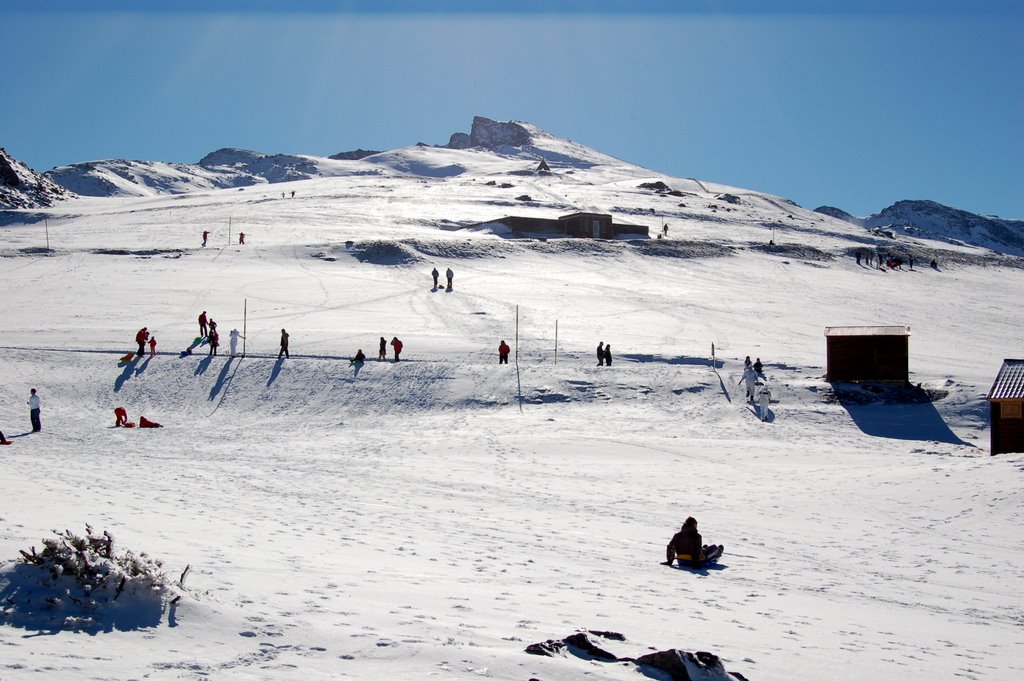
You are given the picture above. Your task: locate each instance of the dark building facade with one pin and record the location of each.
(1006, 403)
(868, 353)
(580, 225)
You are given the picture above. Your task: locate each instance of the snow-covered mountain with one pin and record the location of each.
(21, 187)
(932, 220)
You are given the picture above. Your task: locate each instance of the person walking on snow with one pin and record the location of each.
(397, 345)
(34, 410)
(206, 235)
(152, 346)
(382, 355)
(241, 238)
(284, 345)
(435, 274)
(600, 354)
(233, 339)
(141, 337)
(202, 325)
(750, 377)
(503, 350)
(608, 355)
(450, 275)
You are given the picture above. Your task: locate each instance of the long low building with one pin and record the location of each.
(580, 225)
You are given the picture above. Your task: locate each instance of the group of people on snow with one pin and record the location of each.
(449, 275)
(604, 354)
(121, 420)
(758, 392)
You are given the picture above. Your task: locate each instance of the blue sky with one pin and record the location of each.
(850, 104)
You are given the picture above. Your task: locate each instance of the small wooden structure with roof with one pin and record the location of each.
(1006, 404)
(868, 353)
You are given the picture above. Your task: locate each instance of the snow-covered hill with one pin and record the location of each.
(436, 516)
(931, 220)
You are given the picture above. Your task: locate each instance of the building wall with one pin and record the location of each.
(1007, 433)
(868, 358)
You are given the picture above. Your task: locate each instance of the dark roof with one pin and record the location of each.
(1009, 384)
(867, 331)
(570, 216)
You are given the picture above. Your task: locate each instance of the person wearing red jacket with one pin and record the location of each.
(121, 415)
(503, 350)
(152, 346)
(203, 333)
(141, 337)
(397, 345)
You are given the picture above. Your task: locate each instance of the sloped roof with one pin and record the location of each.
(867, 331)
(1009, 383)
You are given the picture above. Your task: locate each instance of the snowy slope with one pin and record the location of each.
(432, 518)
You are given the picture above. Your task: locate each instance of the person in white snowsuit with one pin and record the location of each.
(234, 336)
(764, 398)
(750, 378)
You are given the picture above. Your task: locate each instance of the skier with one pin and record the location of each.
(758, 367)
(764, 398)
(357, 362)
(206, 235)
(451, 275)
(141, 337)
(600, 354)
(121, 417)
(397, 345)
(234, 336)
(33, 411)
(202, 325)
(382, 355)
(284, 345)
(608, 355)
(435, 274)
(152, 346)
(750, 377)
(503, 350)
(214, 339)
(686, 546)
(241, 238)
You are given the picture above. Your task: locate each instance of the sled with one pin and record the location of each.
(6, 442)
(711, 556)
(127, 358)
(130, 424)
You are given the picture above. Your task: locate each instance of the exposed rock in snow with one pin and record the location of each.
(20, 187)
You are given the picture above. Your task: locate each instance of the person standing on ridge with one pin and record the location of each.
(34, 410)
(284, 345)
(206, 235)
(202, 325)
(503, 350)
(397, 345)
(382, 355)
(435, 274)
(450, 275)
(600, 354)
(241, 238)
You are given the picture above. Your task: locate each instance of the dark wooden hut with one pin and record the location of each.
(868, 353)
(1006, 403)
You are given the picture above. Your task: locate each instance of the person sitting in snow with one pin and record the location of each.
(687, 547)
(758, 367)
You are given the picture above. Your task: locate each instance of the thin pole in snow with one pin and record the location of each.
(46, 224)
(245, 321)
(229, 230)
(556, 341)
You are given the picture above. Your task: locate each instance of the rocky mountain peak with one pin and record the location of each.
(20, 187)
(492, 135)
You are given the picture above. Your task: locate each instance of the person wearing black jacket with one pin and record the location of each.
(688, 548)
